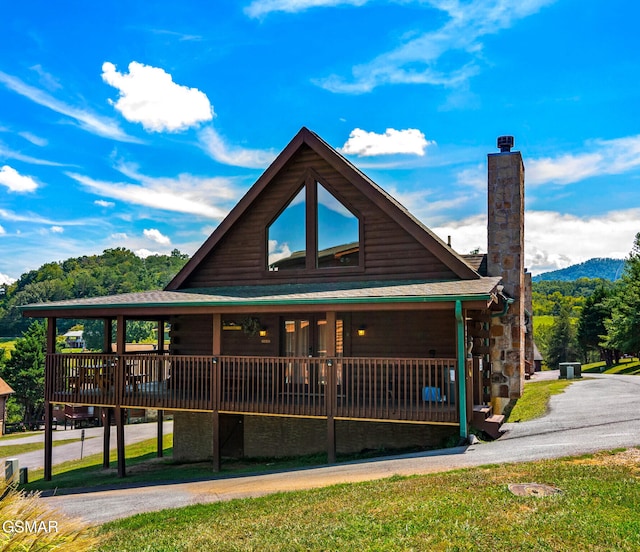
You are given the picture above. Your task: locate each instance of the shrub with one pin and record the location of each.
(27, 523)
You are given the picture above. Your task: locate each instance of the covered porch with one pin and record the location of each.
(406, 360)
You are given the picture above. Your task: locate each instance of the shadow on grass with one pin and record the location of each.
(147, 470)
(629, 367)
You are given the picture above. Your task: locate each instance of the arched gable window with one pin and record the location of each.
(315, 230)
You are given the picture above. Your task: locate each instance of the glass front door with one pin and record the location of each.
(306, 338)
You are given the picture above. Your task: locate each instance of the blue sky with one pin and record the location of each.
(140, 124)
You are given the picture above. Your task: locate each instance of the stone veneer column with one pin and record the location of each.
(505, 258)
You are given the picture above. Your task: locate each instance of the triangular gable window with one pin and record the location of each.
(314, 231)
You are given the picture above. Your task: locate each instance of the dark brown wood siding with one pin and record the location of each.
(404, 334)
(389, 251)
(192, 335)
(237, 342)
(410, 334)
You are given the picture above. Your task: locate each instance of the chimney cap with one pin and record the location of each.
(505, 143)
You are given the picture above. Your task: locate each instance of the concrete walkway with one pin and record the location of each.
(596, 413)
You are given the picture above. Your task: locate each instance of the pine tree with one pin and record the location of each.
(623, 328)
(24, 371)
(562, 345)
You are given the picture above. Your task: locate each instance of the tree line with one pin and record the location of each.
(602, 324)
(114, 271)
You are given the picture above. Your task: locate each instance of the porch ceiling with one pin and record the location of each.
(278, 296)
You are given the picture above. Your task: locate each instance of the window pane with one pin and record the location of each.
(287, 236)
(338, 232)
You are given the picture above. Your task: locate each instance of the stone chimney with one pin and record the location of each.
(505, 258)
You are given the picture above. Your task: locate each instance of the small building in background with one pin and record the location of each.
(74, 339)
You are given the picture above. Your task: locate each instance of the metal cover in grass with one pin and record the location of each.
(533, 489)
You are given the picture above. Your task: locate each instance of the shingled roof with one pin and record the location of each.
(482, 289)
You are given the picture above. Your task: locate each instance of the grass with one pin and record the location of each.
(144, 466)
(76, 473)
(535, 399)
(472, 509)
(7, 451)
(18, 435)
(628, 366)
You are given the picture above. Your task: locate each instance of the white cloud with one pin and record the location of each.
(155, 235)
(119, 236)
(10, 154)
(103, 203)
(149, 96)
(278, 251)
(214, 145)
(572, 240)
(368, 144)
(474, 177)
(57, 229)
(144, 253)
(417, 61)
(35, 140)
(4, 279)
(603, 157)
(16, 182)
(207, 197)
(260, 8)
(88, 121)
(2, 230)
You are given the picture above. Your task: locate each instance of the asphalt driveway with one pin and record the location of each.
(599, 412)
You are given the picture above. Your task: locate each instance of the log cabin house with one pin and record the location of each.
(320, 315)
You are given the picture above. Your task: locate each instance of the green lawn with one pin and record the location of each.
(144, 466)
(535, 399)
(629, 366)
(7, 451)
(596, 509)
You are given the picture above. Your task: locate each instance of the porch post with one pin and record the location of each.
(215, 391)
(120, 440)
(332, 388)
(462, 380)
(106, 437)
(107, 341)
(106, 338)
(121, 342)
(160, 420)
(160, 436)
(48, 407)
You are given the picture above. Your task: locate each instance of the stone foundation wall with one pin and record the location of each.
(279, 437)
(193, 436)
(275, 436)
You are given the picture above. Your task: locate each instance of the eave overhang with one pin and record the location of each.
(408, 295)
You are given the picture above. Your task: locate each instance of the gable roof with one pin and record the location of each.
(359, 180)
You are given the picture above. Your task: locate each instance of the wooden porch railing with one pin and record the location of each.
(403, 389)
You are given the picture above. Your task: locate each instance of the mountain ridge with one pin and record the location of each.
(600, 267)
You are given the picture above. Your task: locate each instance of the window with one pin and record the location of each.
(286, 236)
(338, 232)
(314, 231)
